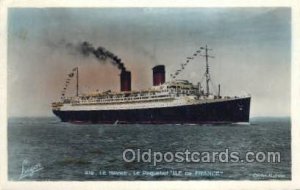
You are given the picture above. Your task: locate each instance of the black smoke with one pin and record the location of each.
(100, 54)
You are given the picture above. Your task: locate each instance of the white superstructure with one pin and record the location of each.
(169, 94)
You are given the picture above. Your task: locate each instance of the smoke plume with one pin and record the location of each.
(101, 54)
(87, 49)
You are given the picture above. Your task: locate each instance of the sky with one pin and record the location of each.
(251, 49)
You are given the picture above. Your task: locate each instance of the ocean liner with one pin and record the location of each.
(166, 102)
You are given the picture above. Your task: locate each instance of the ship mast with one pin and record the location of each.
(77, 77)
(207, 75)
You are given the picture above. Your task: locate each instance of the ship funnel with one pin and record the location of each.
(125, 79)
(158, 75)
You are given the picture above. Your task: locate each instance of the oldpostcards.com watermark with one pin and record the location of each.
(187, 156)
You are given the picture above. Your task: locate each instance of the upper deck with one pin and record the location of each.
(165, 92)
(177, 90)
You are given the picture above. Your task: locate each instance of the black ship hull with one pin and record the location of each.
(229, 111)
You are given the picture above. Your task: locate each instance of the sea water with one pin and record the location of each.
(46, 149)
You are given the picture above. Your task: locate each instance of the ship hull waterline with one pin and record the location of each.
(233, 111)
